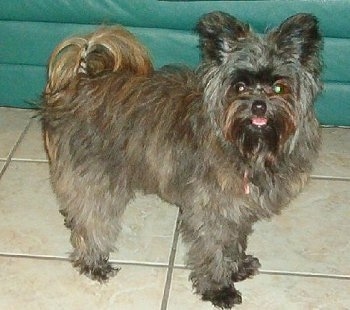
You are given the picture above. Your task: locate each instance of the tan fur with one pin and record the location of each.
(76, 55)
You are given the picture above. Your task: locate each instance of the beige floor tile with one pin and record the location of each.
(271, 292)
(32, 146)
(46, 285)
(311, 235)
(31, 223)
(148, 230)
(12, 124)
(336, 140)
(332, 165)
(334, 159)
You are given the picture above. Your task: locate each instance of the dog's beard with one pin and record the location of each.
(259, 137)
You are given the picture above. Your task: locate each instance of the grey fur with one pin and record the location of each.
(113, 126)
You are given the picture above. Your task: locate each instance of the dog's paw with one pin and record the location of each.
(98, 272)
(248, 268)
(224, 298)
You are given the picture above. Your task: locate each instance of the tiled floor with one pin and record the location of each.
(305, 252)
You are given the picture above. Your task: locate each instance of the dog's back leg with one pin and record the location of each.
(93, 213)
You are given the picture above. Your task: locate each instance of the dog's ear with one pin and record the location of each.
(218, 33)
(298, 38)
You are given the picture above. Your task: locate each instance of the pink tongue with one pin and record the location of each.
(259, 121)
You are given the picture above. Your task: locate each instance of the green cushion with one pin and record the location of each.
(180, 15)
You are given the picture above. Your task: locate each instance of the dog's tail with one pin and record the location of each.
(108, 49)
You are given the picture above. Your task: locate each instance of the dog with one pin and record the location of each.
(229, 143)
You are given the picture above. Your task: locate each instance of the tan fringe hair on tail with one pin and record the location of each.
(107, 49)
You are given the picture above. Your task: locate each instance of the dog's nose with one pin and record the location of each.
(259, 107)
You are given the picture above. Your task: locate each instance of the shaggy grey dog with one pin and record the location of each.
(229, 143)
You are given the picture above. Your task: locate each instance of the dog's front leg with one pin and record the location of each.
(217, 259)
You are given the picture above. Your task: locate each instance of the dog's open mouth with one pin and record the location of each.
(259, 121)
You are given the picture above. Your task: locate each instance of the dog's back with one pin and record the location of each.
(103, 100)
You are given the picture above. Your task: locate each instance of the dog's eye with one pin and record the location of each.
(279, 88)
(240, 87)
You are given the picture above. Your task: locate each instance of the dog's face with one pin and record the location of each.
(260, 90)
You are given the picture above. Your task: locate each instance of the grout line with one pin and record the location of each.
(45, 161)
(306, 274)
(35, 256)
(335, 126)
(20, 139)
(2, 170)
(292, 273)
(27, 160)
(172, 256)
(67, 259)
(172, 267)
(312, 176)
(329, 178)
(136, 263)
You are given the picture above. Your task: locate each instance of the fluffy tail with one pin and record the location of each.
(107, 49)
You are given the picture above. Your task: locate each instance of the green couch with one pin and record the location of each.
(29, 30)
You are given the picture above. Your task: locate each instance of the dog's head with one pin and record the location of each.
(260, 89)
